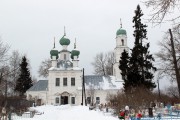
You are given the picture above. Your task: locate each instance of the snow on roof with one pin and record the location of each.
(96, 81)
(73, 68)
(102, 82)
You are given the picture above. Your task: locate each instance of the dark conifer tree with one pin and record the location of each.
(124, 66)
(24, 82)
(148, 68)
(140, 62)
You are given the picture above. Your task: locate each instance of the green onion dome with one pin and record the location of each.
(54, 52)
(64, 41)
(121, 32)
(75, 52)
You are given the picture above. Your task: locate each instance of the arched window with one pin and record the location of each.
(122, 41)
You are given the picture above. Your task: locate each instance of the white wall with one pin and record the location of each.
(54, 90)
(43, 95)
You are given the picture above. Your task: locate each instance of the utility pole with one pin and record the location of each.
(175, 61)
(83, 90)
(82, 86)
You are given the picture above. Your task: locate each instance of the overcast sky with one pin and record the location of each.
(31, 25)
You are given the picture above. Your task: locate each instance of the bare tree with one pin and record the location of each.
(99, 64)
(14, 62)
(5, 83)
(4, 48)
(172, 91)
(43, 68)
(110, 62)
(103, 63)
(169, 56)
(3, 57)
(161, 8)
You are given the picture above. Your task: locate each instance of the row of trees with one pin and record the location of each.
(15, 76)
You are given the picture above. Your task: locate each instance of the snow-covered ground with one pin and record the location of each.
(67, 112)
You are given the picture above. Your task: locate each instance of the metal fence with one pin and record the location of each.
(14, 116)
(162, 118)
(24, 115)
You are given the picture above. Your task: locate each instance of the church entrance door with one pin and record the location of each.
(64, 100)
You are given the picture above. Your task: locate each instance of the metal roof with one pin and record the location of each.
(100, 81)
(93, 79)
(41, 85)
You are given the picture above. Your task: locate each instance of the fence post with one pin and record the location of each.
(31, 114)
(150, 112)
(9, 115)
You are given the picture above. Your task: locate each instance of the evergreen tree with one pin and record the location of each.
(140, 62)
(124, 61)
(24, 81)
(148, 68)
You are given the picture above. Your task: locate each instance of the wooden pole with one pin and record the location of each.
(175, 61)
(82, 86)
(84, 89)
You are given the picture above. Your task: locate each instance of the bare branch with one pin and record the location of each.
(103, 63)
(160, 8)
(43, 68)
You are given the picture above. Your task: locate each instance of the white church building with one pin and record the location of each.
(65, 78)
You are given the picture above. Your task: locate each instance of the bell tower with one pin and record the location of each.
(121, 45)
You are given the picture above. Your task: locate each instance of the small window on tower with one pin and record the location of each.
(122, 42)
